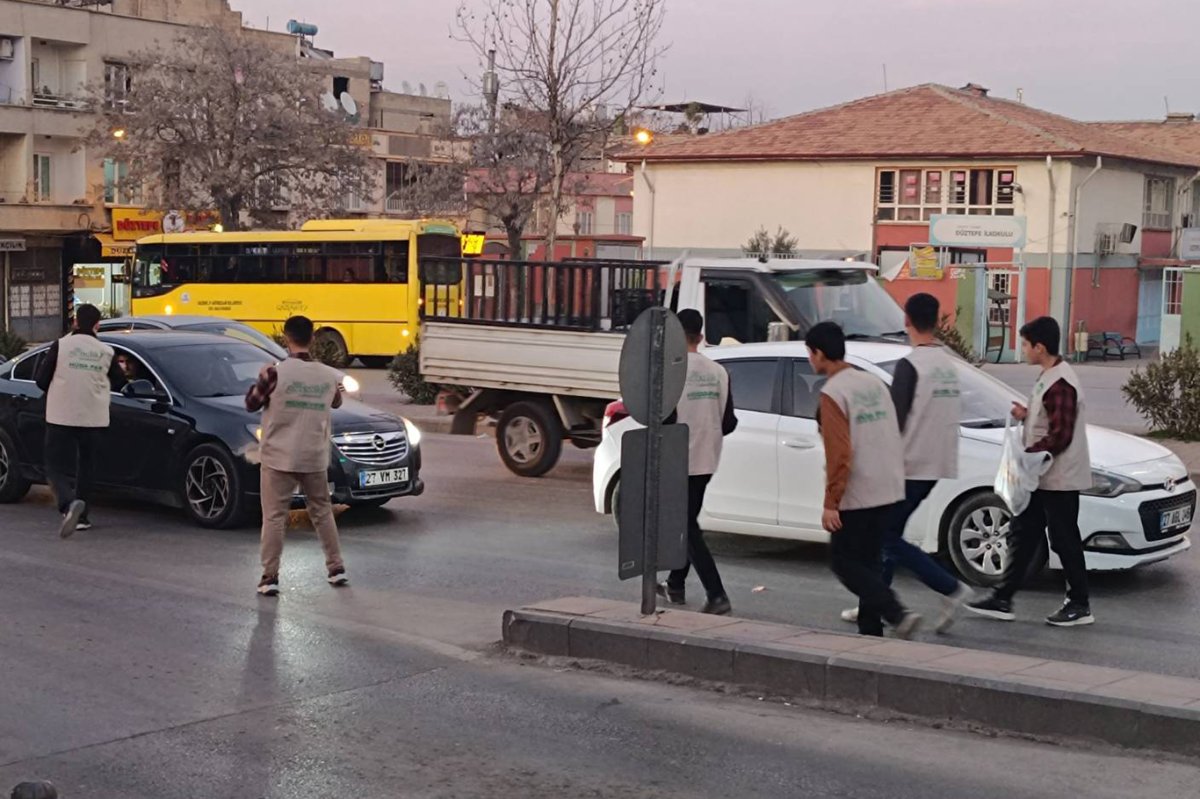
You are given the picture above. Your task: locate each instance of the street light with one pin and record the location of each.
(218, 228)
(119, 133)
(644, 138)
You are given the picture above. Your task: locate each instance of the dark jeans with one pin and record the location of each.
(1058, 511)
(70, 461)
(698, 554)
(856, 558)
(898, 552)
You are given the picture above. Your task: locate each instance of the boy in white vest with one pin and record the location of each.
(297, 397)
(1054, 423)
(864, 478)
(925, 392)
(706, 407)
(78, 375)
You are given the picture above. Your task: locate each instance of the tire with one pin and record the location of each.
(331, 346)
(211, 488)
(13, 487)
(614, 502)
(977, 541)
(375, 361)
(529, 438)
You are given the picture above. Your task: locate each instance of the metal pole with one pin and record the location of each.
(650, 186)
(653, 461)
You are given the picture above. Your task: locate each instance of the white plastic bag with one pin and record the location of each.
(1019, 471)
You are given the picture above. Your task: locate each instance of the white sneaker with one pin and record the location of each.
(950, 606)
(908, 626)
(71, 518)
(850, 615)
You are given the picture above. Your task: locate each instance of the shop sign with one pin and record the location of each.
(957, 230)
(1189, 244)
(12, 245)
(131, 224)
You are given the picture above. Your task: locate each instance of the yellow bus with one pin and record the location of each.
(359, 280)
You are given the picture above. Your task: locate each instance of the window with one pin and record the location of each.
(806, 390)
(41, 178)
(1002, 283)
(915, 195)
(752, 384)
(625, 224)
(1172, 292)
(172, 178)
(134, 368)
(585, 223)
(986, 402)
(1160, 193)
(354, 202)
(27, 368)
(118, 188)
(117, 84)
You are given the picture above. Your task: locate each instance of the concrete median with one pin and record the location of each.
(1005, 692)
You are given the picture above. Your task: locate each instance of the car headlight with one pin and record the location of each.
(255, 430)
(350, 384)
(413, 432)
(1107, 484)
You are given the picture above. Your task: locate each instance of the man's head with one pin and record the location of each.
(826, 346)
(298, 332)
(1040, 341)
(693, 326)
(921, 315)
(87, 318)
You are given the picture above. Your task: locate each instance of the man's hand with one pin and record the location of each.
(831, 520)
(1019, 412)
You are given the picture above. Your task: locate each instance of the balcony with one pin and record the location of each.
(43, 99)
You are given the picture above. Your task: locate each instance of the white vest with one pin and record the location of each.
(932, 427)
(1072, 468)
(297, 421)
(79, 394)
(877, 459)
(701, 408)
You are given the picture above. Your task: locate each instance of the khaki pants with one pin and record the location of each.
(276, 488)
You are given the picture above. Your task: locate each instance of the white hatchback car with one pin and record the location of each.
(771, 478)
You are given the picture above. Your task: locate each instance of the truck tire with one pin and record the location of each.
(529, 437)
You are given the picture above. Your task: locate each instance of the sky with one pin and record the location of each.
(1088, 59)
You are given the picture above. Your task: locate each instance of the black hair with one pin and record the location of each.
(87, 317)
(299, 330)
(693, 324)
(1045, 331)
(828, 339)
(923, 310)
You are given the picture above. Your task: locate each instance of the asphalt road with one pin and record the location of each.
(138, 661)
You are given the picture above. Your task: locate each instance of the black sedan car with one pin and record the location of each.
(181, 436)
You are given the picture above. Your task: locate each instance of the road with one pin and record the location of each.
(139, 662)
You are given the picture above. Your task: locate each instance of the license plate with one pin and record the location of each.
(382, 477)
(1179, 517)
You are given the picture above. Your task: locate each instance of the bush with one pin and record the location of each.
(321, 349)
(949, 335)
(1167, 393)
(405, 374)
(11, 345)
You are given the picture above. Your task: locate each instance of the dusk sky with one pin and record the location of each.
(1091, 59)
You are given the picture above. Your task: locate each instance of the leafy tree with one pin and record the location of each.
(764, 243)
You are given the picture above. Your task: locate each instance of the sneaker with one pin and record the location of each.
(850, 615)
(83, 524)
(950, 606)
(71, 518)
(993, 608)
(338, 577)
(1071, 614)
(717, 607)
(670, 594)
(908, 625)
(268, 586)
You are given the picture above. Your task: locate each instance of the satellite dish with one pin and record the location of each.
(422, 89)
(406, 87)
(329, 102)
(348, 104)
(441, 90)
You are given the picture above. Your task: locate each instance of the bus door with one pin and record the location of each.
(440, 277)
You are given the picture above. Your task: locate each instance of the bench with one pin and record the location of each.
(1112, 345)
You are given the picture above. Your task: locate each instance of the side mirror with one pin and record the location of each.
(143, 389)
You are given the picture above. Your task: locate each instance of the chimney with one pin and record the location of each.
(1175, 117)
(975, 89)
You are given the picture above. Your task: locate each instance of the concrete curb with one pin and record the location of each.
(1007, 692)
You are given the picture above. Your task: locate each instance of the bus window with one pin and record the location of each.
(439, 244)
(395, 262)
(351, 262)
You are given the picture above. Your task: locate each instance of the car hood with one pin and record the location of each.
(352, 417)
(1145, 461)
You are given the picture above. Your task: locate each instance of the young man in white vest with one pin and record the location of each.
(864, 478)
(1054, 423)
(706, 407)
(925, 392)
(297, 397)
(78, 375)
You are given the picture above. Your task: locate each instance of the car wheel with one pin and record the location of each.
(212, 488)
(529, 437)
(615, 503)
(330, 347)
(12, 486)
(978, 541)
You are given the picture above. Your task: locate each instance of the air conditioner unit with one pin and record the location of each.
(1128, 231)
(8, 48)
(1106, 243)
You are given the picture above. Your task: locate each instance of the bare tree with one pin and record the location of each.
(570, 63)
(221, 121)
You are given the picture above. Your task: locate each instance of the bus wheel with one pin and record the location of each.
(329, 347)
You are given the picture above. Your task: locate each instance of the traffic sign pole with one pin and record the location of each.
(658, 335)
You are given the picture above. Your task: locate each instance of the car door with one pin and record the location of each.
(28, 408)
(135, 449)
(746, 485)
(799, 451)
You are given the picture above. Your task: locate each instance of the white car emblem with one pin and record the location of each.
(1169, 484)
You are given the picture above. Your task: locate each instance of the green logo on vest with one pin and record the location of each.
(868, 406)
(302, 396)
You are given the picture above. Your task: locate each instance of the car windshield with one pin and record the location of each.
(986, 402)
(241, 333)
(212, 370)
(850, 297)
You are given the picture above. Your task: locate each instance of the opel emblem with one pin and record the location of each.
(378, 442)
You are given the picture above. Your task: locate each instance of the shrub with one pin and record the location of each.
(1167, 393)
(949, 335)
(11, 345)
(321, 349)
(405, 374)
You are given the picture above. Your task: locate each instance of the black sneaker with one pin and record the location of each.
(268, 586)
(1071, 614)
(670, 594)
(717, 607)
(84, 523)
(71, 518)
(338, 578)
(993, 608)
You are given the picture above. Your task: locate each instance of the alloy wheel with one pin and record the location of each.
(207, 487)
(523, 440)
(984, 540)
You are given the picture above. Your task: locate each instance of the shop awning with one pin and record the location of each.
(111, 248)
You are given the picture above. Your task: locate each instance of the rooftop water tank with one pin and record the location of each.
(301, 28)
